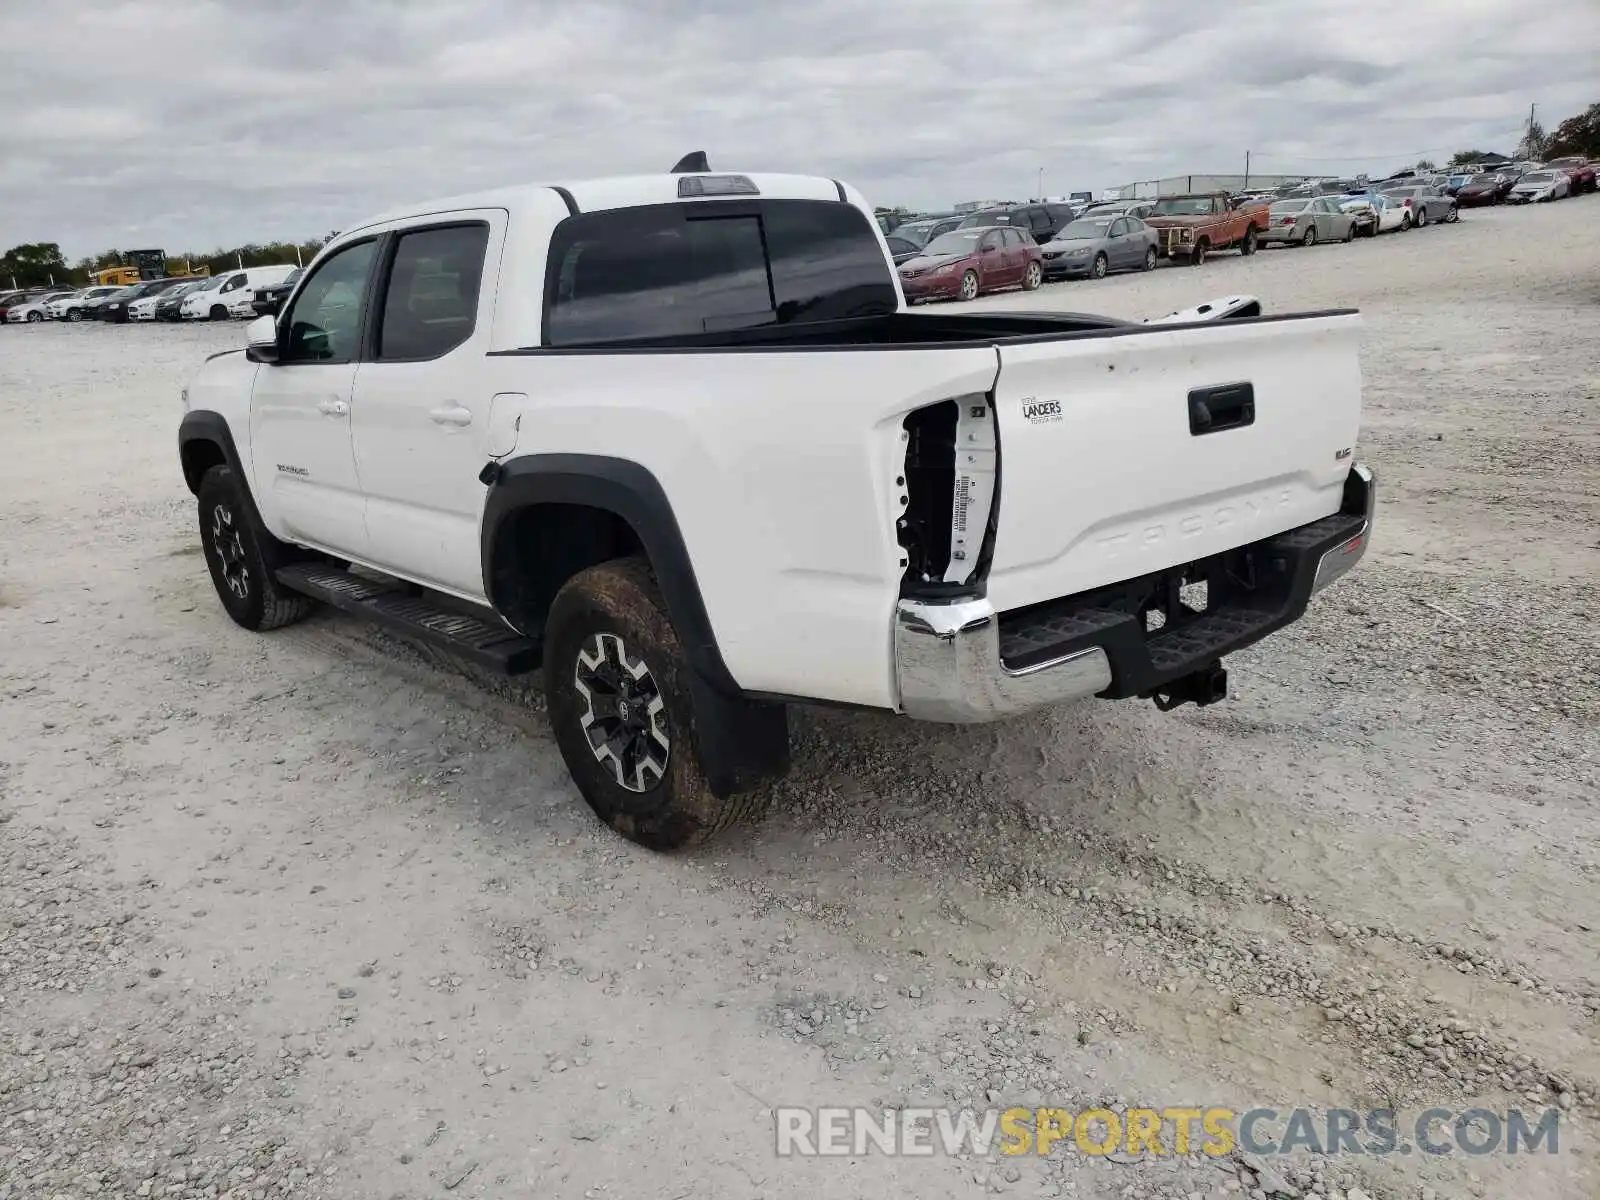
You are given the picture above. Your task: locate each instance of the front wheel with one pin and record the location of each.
(1032, 277)
(1350, 232)
(969, 286)
(1453, 215)
(1150, 258)
(218, 313)
(617, 684)
(35, 316)
(74, 314)
(237, 550)
(1100, 267)
(1197, 256)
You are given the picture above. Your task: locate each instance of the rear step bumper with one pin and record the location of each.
(962, 662)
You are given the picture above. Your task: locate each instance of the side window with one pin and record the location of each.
(1136, 226)
(1119, 228)
(324, 323)
(231, 283)
(430, 305)
(825, 264)
(991, 241)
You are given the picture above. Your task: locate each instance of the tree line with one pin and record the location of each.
(41, 264)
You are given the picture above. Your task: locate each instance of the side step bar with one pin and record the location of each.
(485, 640)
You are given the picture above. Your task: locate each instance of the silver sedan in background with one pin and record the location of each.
(1098, 243)
(1307, 222)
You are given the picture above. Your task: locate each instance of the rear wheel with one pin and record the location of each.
(1422, 216)
(1405, 221)
(1032, 277)
(1248, 246)
(1100, 266)
(621, 709)
(1150, 258)
(969, 286)
(1310, 236)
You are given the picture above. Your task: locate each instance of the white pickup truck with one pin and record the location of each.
(678, 440)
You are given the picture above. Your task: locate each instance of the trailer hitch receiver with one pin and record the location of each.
(1205, 686)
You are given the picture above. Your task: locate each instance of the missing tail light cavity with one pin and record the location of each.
(951, 475)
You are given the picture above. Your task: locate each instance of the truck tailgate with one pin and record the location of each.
(1127, 454)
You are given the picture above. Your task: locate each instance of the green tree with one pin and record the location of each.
(1426, 164)
(1577, 135)
(1469, 156)
(34, 264)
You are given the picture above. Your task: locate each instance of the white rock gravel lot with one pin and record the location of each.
(304, 915)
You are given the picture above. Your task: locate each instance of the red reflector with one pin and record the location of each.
(1352, 545)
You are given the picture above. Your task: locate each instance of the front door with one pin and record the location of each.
(303, 458)
(420, 409)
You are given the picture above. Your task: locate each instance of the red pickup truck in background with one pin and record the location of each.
(1191, 227)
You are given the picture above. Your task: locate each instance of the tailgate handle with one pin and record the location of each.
(1227, 406)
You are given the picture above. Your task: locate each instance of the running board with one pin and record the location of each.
(486, 640)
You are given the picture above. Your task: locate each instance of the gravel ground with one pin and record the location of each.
(303, 915)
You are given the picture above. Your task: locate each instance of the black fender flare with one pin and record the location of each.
(629, 490)
(204, 425)
(742, 739)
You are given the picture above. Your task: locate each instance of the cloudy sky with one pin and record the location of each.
(188, 125)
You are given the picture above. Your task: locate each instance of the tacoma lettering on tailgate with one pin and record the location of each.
(1244, 512)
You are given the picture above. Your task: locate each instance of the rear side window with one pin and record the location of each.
(430, 305)
(671, 270)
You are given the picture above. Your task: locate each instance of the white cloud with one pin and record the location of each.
(201, 124)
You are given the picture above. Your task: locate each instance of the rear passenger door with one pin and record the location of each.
(420, 407)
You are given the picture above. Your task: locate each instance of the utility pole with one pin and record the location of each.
(1246, 187)
(1041, 183)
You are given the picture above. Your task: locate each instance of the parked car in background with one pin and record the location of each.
(114, 308)
(241, 301)
(76, 307)
(1307, 222)
(1539, 186)
(147, 307)
(1191, 227)
(1485, 189)
(1580, 173)
(170, 301)
(965, 263)
(1425, 204)
(1097, 244)
(924, 229)
(266, 301)
(1376, 213)
(211, 303)
(55, 310)
(7, 299)
(1128, 208)
(1040, 220)
(900, 249)
(1454, 183)
(32, 311)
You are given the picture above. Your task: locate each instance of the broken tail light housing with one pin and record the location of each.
(949, 498)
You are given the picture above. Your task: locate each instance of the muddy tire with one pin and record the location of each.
(1032, 277)
(241, 556)
(969, 286)
(622, 712)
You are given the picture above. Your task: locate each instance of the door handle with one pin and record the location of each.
(451, 414)
(333, 407)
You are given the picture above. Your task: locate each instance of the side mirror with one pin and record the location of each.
(261, 340)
